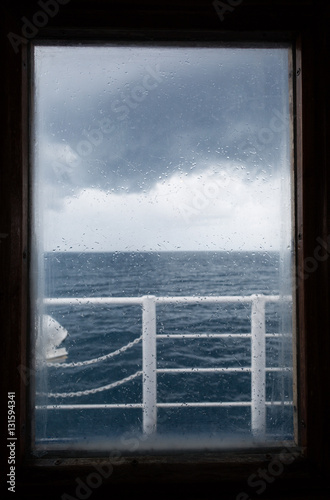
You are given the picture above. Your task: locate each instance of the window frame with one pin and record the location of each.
(305, 27)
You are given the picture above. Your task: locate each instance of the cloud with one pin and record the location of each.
(161, 148)
(226, 212)
(128, 115)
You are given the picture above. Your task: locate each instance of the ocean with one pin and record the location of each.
(94, 330)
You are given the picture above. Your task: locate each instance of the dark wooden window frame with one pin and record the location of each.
(303, 23)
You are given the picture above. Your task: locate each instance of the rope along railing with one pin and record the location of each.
(96, 360)
(149, 370)
(87, 392)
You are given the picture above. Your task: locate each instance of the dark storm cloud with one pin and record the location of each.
(180, 112)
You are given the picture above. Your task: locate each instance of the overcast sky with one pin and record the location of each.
(155, 149)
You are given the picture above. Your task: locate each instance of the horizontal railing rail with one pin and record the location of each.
(149, 371)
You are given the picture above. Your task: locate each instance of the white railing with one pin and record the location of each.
(149, 371)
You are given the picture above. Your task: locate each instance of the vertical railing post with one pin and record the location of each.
(258, 367)
(149, 364)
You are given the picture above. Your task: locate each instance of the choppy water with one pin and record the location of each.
(95, 330)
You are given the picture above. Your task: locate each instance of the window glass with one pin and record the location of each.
(162, 255)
